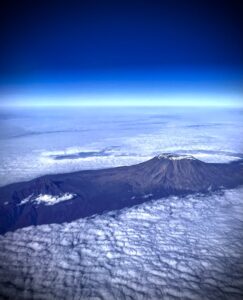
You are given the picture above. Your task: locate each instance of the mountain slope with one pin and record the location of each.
(66, 197)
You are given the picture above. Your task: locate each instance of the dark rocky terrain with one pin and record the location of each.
(86, 193)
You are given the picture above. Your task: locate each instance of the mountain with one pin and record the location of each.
(66, 197)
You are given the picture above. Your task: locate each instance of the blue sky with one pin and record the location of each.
(123, 87)
(121, 53)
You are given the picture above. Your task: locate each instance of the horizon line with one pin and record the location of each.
(94, 105)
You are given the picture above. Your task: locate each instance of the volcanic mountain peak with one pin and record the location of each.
(172, 156)
(62, 198)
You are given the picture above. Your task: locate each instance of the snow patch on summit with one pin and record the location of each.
(48, 199)
(175, 157)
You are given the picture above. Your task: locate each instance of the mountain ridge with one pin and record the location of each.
(65, 197)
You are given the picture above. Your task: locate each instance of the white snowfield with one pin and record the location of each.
(48, 199)
(175, 157)
(174, 248)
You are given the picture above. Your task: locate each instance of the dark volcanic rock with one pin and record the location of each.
(93, 192)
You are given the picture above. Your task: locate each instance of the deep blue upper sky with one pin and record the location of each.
(120, 47)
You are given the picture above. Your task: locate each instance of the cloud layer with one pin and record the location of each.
(38, 142)
(174, 248)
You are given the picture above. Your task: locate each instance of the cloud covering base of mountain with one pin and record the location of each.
(173, 248)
